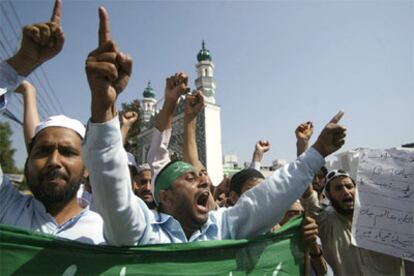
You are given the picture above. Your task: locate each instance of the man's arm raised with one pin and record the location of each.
(108, 71)
(194, 103)
(332, 136)
(264, 205)
(40, 43)
(30, 114)
(127, 119)
(260, 148)
(303, 134)
(158, 155)
(175, 86)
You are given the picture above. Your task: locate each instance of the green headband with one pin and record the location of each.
(168, 175)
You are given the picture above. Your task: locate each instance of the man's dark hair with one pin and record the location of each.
(239, 179)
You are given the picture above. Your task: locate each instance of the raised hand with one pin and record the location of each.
(304, 131)
(108, 71)
(262, 146)
(128, 118)
(25, 87)
(175, 87)
(194, 103)
(332, 136)
(303, 134)
(40, 43)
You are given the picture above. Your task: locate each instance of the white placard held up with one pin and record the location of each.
(383, 214)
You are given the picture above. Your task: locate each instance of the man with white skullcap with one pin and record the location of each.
(53, 169)
(144, 185)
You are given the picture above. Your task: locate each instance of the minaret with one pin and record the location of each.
(205, 69)
(149, 103)
(209, 121)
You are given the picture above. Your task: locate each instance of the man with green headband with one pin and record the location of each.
(182, 213)
(169, 174)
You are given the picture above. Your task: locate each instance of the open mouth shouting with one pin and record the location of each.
(348, 202)
(202, 201)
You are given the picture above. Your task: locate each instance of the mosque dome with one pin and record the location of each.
(149, 92)
(204, 54)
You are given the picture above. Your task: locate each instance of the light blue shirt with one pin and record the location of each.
(9, 79)
(128, 221)
(27, 212)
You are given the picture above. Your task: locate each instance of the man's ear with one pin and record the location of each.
(85, 172)
(234, 197)
(166, 199)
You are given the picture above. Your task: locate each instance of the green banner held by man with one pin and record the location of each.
(25, 252)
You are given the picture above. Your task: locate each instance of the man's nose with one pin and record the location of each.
(54, 159)
(147, 186)
(202, 182)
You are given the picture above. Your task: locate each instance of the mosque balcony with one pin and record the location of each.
(205, 82)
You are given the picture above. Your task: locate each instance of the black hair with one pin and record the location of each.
(239, 179)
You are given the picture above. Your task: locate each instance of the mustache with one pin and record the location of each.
(146, 192)
(54, 174)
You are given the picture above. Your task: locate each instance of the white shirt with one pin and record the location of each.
(128, 221)
(9, 79)
(27, 212)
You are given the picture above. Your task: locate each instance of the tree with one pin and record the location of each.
(6, 150)
(131, 141)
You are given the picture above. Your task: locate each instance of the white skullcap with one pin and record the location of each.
(144, 167)
(131, 160)
(61, 121)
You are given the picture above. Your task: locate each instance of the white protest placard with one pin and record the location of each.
(384, 206)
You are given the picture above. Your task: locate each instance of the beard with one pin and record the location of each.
(341, 210)
(50, 193)
(151, 204)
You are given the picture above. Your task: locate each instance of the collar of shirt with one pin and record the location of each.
(170, 224)
(50, 220)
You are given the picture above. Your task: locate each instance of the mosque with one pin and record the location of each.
(208, 133)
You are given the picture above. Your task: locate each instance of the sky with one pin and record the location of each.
(277, 64)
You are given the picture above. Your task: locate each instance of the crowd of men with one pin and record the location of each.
(83, 179)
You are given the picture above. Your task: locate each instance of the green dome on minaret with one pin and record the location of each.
(204, 54)
(149, 92)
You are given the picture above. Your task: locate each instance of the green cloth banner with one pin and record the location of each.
(25, 252)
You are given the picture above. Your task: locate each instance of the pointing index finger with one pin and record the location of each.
(337, 117)
(56, 12)
(104, 28)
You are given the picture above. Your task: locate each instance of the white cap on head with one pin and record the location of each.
(131, 160)
(61, 121)
(144, 167)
